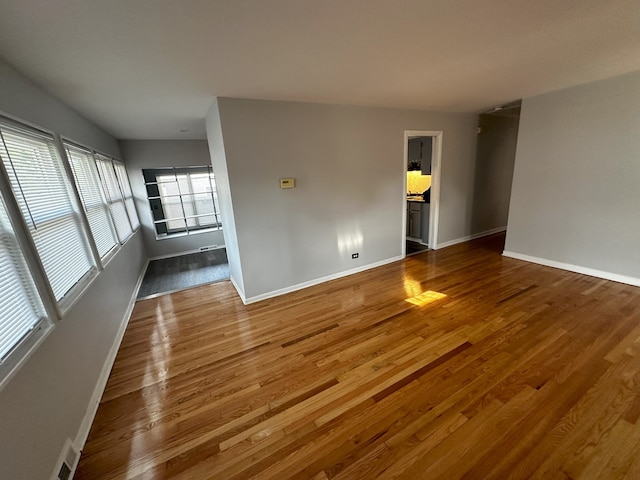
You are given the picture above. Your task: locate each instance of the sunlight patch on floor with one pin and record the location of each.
(425, 298)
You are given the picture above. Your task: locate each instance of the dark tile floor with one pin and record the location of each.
(415, 247)
(177, 273)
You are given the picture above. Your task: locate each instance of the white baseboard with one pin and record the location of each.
(466, 238)
(575, 268)
(316, 281)
(240, 292)
(92, 409)
(187, 252)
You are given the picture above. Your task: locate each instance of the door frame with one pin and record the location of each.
(434, 206)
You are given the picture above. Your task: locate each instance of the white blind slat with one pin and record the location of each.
(20, 306)
(114, 197)
(93, 200)
(43, 192)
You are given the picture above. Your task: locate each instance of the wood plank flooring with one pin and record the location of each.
(456, 363)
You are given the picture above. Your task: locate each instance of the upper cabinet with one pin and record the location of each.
(419, 154)
(427, 144)
(415, 150)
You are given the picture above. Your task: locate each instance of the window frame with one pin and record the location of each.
(23, 255)
(104, 259)
(34, 274)
(127, 192)
(22, 349)
(63, 304)
(156, 201)
(99, 156)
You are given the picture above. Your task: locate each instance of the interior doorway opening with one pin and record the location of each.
(421, 174)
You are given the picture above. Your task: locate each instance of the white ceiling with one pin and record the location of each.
(145, 69)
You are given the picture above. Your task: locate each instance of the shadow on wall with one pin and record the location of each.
(495, 158)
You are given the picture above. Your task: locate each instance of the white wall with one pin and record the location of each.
(46, 401)
(349, 167)
(140, 154)
(219, 163)
(576, 186)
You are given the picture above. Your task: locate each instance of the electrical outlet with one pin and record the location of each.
(355, 255)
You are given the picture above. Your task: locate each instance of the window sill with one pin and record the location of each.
(169, 236)
(23, 352)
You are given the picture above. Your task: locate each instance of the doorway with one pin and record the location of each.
(421, 168)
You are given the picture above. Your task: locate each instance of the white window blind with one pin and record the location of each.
(21, 312)
(48, 205)
(114, 197)
(93, 201)
(125, 187)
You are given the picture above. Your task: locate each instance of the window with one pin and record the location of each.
(48, 205)
(117, 207)
(125, 188)
(182, 200)
(48, 247)
(93, 201)
(22, 315)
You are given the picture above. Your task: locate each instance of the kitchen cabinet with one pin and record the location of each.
(424, 222)
(425, 163)
(414, 219)
(414, 150)
(418, 221)
(419, 152)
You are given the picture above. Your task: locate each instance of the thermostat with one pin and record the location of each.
(287, 183)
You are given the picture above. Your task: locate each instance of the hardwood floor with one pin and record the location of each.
(456, 363)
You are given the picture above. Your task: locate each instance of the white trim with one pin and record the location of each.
(575, 268)
(87, 280)
(434, 211)
(160, 294)
(240, 292)
(416, 240)
(466, 238)
(173, 236)
(405, 166)
(77, 291)
(68, 445)
(316, 281)
(30, 346)
(141, 277)
(92, 408)
(188, 252)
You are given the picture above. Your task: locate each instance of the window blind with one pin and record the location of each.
(125, 187)
(44, 194)
(21, 311)
(93, 201)
(114, 197)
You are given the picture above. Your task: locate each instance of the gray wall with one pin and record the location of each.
(576, 186)
(349, 167)
(45, 402)
(495, 157)
(139, 154)
(21, 98)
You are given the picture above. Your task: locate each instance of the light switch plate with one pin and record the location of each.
(287, 183)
